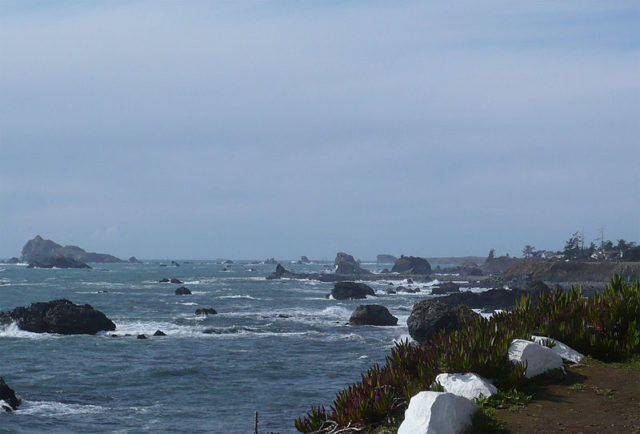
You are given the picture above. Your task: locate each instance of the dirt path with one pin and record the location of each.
(592, 398)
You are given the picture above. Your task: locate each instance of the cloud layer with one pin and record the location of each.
(278, 129)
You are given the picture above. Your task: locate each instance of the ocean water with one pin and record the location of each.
(276, 347)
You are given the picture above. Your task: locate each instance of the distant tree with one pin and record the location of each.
(573, 246)
(492, 255)
(528, 251)
(632, 254)
(608, 245)
(623, 245)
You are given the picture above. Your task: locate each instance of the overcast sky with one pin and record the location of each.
(284, 128)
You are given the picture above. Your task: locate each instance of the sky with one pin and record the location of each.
(167, 129)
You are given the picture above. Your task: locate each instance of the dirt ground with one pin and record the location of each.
(593, 398)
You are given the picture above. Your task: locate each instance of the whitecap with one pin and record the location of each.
(239, 296)
(54, 408)
(13, 331)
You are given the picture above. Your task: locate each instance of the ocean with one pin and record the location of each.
(276, 347)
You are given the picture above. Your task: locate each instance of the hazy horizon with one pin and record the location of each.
(281, 129)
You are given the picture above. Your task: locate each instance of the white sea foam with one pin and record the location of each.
(248, 297)
(12, 331)
(192, 282)
(53, 408)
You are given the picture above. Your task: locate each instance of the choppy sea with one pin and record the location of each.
(276, 347)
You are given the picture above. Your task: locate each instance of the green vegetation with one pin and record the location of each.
(604, 326)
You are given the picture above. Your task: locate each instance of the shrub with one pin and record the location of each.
(604, 326)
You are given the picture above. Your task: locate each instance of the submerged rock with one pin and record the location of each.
(183, 290)
(57, 262)
(8, 399)
(206, 311)
(431, 316)
(372, 314)
(58, 316)
(411, 265)
(351, 290)
(437, 412)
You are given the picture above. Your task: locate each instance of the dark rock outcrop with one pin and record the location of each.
(270, 261)
(494, 299)
(134, 260)
(8, 395)
(206, 311)
(57, 262)
(142, 336)
(346, 264)
(411, 265)
(13, 260)
(38, 249)
(304, 260)
(174, 280)
(431, 316)
(164, 280)
(351, 290)
(280, 273)
(174, 264)
(58, 316)
(372, 314)
(159, 333)
(445, 288)
(183, 290)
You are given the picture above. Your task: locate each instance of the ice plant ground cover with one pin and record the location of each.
(604, 327)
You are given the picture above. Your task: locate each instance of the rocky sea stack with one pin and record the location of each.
(351, 290)
(372, 314)
(346, 264)
(58, 316)
(411, 265)
(39, 249)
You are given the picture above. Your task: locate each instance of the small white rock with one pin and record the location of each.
(437, 413)
(539, 359)
(470, 386)
(563, 350)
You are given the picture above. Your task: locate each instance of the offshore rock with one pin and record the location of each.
(372, 314)
(351, 290)
(346, 264)
(183, 290)
(445, 288)
(134, 260)
(57, 262)
(411, 265)
(58, 316)
(39, 248)
(431, 316)
(8, 399)
(280, 272)
(304, 260)
(159, 333)
(206, 311)
(386, 259)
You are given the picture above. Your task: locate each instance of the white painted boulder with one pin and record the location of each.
(563, 350)
(470, 386)
(539, 359)
(437, 413)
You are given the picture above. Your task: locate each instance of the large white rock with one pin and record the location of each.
(437, 413)
(470, 386)
(539, 359)
(563, 350)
